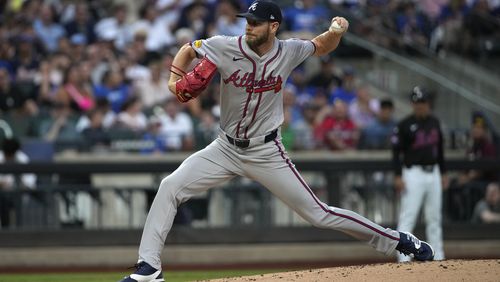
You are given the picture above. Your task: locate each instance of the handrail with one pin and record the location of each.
(102, 167)
(424, 71)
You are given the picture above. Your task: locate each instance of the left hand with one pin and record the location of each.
(339, 25)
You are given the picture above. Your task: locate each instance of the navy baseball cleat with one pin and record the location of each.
(410, 245)
(144, 273)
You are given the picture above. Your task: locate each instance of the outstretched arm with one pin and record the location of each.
(329, 40)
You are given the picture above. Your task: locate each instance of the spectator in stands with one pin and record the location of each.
(290, 104)
(303, 92)
(482, 146)
(206, 130)
(226, 21)
(47, 29)
(95, 135)
(82, 23)
(377, 134)
(346, 91)
(287, 132)
(197, 16)
(363, 109)
(59, 126)
(74, 94)
(12, 98)
(413, 26)
(354, 6)
(176, 127)
(432, 8)
(7, 50)
(153, 134)
(488, 209)
(137, 58)
(115, 28)
(113, 88)
(304, 129)
(26, 60)
(78, 44)
(470, 185)
(50, 77)
(11, 153)
(158, 32)
(154, 90)
(108, 120)
(448, 34)
(482, 28)
(326, 79)
(305, 17)
(131, 117)
(335, 129)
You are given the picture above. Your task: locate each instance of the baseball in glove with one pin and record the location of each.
(194, 82)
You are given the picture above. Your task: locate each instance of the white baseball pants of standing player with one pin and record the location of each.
(422, 188)
(267, 163)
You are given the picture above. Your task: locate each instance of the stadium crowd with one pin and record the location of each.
(83, 74)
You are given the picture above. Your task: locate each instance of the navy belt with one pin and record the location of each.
(244, 143)
(426, 168)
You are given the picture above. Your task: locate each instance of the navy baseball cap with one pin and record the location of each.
(263, 11)
(419, 95)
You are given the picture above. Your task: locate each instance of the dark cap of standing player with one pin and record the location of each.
(419, 95)
(263, 11)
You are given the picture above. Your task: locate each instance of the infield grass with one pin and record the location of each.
(170, 276)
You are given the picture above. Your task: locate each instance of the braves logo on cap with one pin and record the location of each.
(263, 11)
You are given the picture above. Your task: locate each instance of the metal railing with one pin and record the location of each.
(361, 185)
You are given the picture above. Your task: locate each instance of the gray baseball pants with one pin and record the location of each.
(266, 163)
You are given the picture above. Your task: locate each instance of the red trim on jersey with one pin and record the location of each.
(262, 90)
(325, 209)
(254, 71)
(314, 44)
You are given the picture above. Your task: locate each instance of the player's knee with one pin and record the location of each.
(168, 187)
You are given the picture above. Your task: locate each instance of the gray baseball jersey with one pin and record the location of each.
(251, 86)
(251, 110)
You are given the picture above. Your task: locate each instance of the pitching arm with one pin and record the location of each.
(330, 39)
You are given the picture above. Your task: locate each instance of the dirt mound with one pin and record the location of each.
(450, 270)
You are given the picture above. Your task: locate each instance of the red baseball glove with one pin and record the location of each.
(194, 82)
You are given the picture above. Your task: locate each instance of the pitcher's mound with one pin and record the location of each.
(450, 270)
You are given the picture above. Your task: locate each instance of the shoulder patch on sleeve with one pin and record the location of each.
(197, 43)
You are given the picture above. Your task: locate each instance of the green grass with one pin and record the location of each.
(170, 276)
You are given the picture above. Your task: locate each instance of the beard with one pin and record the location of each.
(257, 40)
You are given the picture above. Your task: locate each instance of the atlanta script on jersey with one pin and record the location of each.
(252, 85)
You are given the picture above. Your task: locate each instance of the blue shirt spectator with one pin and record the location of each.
(377, 134)
(47, 30)
(82, 23)
(114, 89)
(308, 17)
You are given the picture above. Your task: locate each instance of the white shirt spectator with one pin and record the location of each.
(152, 93)
(110, 29)
(107, 121)
(175, 129)
(159, 34)
(136, 122)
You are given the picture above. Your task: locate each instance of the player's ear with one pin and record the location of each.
(275, 26)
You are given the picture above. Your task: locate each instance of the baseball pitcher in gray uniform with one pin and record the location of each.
(253, 69)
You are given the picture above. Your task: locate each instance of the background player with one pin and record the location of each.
(253, 68)
(419, 140)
